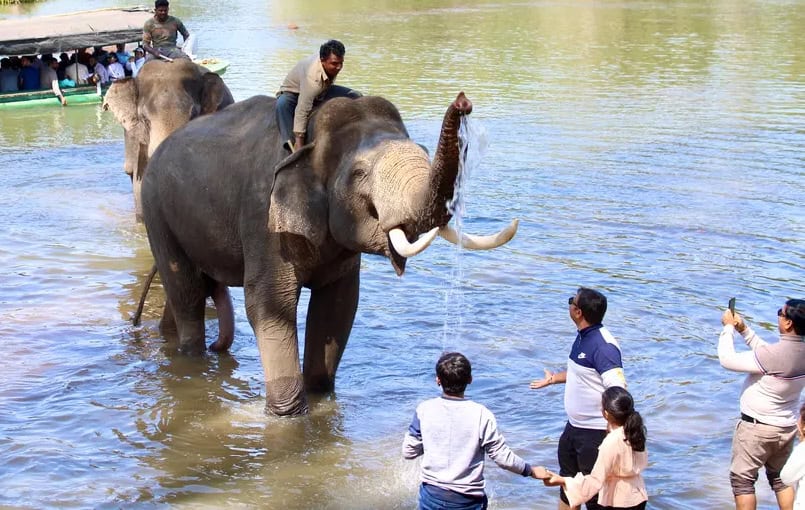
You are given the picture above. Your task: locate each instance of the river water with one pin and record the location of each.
(651, 149)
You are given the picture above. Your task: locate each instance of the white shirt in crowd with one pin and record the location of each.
(82, 73)
(116, 71)
(102, 73)
(135, 65)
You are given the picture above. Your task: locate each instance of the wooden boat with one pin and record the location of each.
(67, 32)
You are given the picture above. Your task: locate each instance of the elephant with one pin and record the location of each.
(163, 97)
(226, 205)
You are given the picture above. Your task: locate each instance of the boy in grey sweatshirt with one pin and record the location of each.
(453, 434)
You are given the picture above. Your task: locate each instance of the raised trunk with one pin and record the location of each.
(445, 166)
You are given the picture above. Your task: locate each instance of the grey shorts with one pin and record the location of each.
(756, 445)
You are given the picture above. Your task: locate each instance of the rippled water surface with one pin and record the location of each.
(654, 150)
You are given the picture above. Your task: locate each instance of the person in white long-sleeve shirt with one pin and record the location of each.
(77, 72)
(452, 434)
(136, 62)
(764, 437)
(794, 470)
(114, 68)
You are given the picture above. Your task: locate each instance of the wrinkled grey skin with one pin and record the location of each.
(164, 97)
(225, 205)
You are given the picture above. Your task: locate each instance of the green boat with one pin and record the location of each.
(67, 32)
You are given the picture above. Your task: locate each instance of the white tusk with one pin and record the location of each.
(489, 242)
(406, 249)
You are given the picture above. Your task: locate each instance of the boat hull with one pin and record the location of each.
(81, 95)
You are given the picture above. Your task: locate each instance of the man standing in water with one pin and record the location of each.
(593, 366)
(310, 83)
(160, 33)
(769, 401)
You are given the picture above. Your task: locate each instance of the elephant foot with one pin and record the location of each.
(193, 348)
(285, 396)
(222, 344)
(319, 384)
(283, 412)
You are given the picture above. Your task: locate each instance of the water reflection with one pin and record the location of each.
(206, 429)
(30, 128)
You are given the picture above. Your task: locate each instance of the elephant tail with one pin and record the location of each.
(147, 285)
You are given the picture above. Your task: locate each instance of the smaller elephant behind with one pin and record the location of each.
(162, 98)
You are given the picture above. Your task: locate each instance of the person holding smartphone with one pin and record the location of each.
(764, 437)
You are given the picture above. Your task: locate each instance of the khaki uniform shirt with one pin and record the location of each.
(160, 35)
(309, 80)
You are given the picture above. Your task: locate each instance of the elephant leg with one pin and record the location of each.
(185, 287)
(187, 296)
(271, 300)
(226, 317)
(167, 324)
(330, 315)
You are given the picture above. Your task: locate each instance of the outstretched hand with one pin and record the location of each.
(553, 480)
(541, 383)
(540, 473)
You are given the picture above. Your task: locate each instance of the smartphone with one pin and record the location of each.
(732, 305)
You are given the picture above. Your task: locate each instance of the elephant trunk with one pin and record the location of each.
(445, 167)
(401, 187)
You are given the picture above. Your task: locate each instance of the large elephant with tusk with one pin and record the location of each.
(225, 205)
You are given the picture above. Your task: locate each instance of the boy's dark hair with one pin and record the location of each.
(795, 310)
(454, 372)
(161, 3)
(593, 305)
(332, 47)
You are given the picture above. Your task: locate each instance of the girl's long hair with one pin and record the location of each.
(619, 404)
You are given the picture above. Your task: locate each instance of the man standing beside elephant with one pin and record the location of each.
(160, 33)
(310, 83)
(594, 365)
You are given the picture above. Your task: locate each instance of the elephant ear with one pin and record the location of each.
(299, 199)
(214, 94)
(121, 100)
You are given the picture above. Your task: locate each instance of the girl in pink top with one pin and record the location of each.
(621, 458)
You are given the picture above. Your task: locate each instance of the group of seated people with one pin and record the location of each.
(88, 66)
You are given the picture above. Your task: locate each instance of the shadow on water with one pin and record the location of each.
(203, 439)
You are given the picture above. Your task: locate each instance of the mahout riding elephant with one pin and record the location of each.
(162, 98)
(226, 205)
